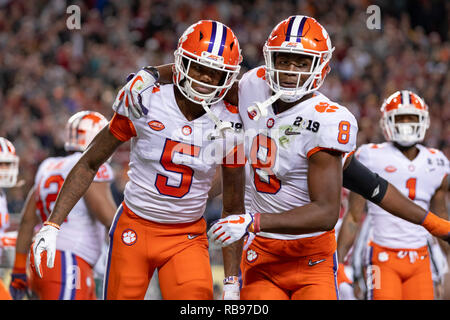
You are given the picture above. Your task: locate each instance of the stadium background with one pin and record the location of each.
(48, 72)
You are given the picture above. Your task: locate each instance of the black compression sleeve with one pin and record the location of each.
(358, 178)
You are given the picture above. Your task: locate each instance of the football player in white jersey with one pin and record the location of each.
(399, 260)
(9, 171)
(177, 142)
(80, 239)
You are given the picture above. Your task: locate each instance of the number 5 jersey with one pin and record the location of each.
(172, 159)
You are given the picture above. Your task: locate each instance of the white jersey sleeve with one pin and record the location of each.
(336, 130)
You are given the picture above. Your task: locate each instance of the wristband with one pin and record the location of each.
(435, 225)
(231, 280)
(256, 223)
(49, 223)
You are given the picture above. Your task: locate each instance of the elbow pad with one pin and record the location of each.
(358, 178)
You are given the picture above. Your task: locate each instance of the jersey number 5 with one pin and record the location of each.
(170, 148)
(262, 156)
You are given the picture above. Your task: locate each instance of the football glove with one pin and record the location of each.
(130, 94)
(231, 228)
(231, 288)
(19, 285)
(45, 240)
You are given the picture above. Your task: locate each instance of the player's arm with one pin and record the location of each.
(322, 213)
(100, 202)
(438, 204)
(80, 177)
(216, 186)
(350, 225)
(371, 186)
(233, 184)
(28, 221)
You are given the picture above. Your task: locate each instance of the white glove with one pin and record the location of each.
(45, 240)
(230, 229)
(231, 288)
(130, 94)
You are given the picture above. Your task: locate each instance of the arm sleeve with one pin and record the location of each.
(358, 178)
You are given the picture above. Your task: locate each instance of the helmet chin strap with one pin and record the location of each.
(260, 108)
(221, 126)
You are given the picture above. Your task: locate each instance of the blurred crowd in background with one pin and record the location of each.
(48, 72)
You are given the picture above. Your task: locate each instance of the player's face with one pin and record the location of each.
(206, 75)
(5, 165)
(292, 62)
(406, 118)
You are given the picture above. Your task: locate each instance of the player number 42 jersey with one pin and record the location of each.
(279, 145)
(80, 233)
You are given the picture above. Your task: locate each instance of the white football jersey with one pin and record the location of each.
(279, 145)
(4, 214)
(81, 233)
(173, 160)
(417, 179)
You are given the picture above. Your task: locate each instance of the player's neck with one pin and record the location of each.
(280, 106)
(410, 152)
(189, 109)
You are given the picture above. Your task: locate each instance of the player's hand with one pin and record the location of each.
(45, 240)
(230, 229)
(130, 94)
(231, 288)
(19, 284)
(438, 227)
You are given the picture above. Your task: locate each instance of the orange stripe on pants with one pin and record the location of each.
(400, 274)
(178, 251)
(303, 269)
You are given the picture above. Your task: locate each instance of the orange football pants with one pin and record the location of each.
(399, 274)
(71, 278)
(301, 269)
(139, 246)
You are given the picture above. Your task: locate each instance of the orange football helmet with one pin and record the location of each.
(9, 164)
(399, 103)
(212, 44)
(301, 35)
(81, 128)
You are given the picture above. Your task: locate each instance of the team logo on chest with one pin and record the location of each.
(411, 167)
(186, 130)
(390, 169)
(270, 123)
(129, 237)
(251, 255)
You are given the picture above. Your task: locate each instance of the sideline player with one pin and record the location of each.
(9, 170)
(80, 239)
(398, 251)
(159, 224)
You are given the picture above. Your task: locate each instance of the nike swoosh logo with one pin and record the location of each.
(192, 236)
(37, 246)
(289, 132)
(311, 263)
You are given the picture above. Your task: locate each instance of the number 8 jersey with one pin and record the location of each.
(279, 145)
(172, 159)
